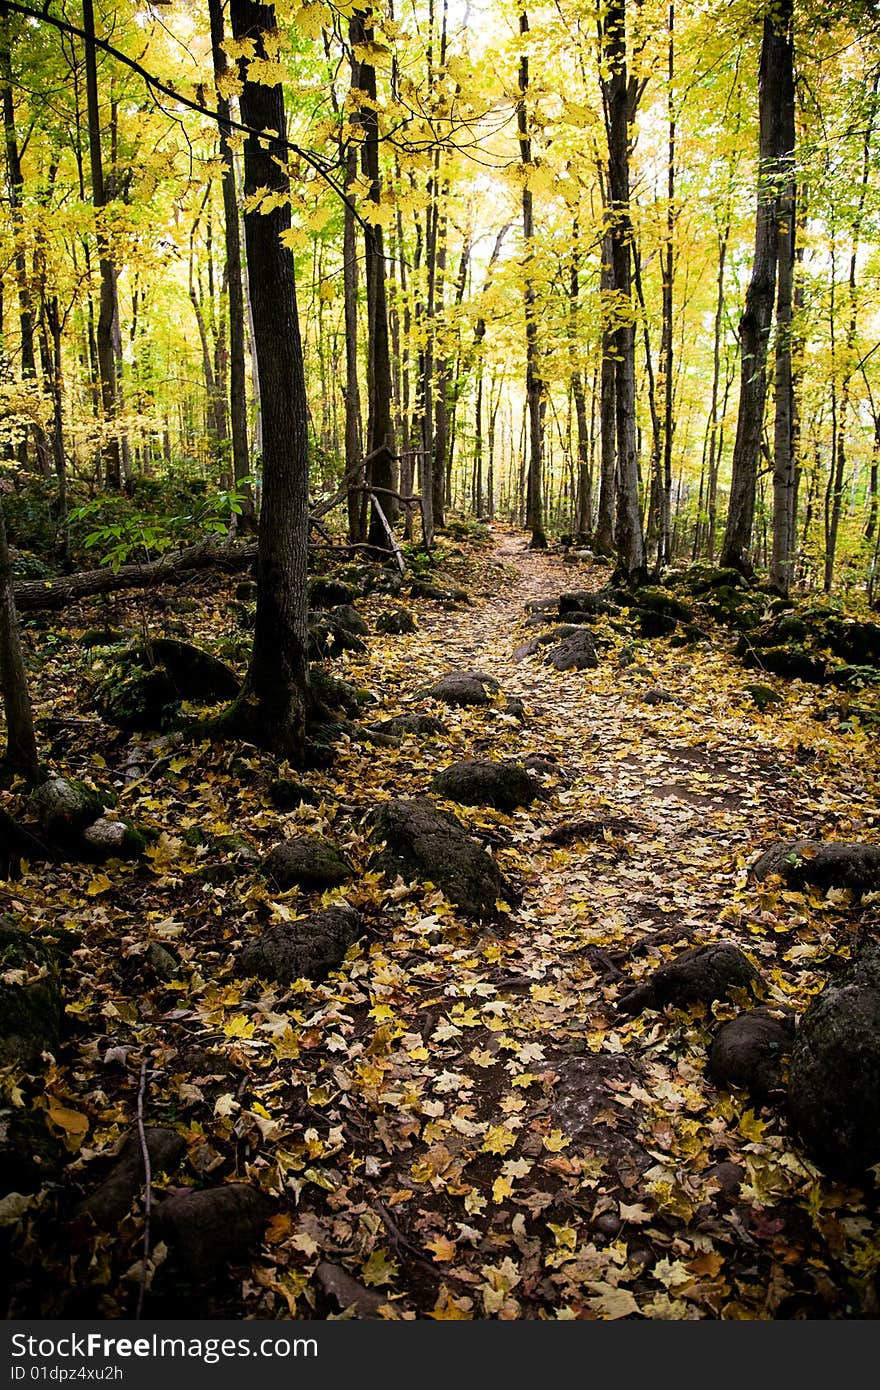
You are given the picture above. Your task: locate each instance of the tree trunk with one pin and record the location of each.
(380, 428)
(664, 544)
(784, 524)
(629, 539)
(21, 743)
(534, 384)
(108, 346)
(277, 678)
(241, 464)
(754, 328)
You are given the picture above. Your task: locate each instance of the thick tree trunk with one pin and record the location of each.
(754, 328)
(278, 674)
(629, 539)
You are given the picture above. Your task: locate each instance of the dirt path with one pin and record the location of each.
(613, 1131)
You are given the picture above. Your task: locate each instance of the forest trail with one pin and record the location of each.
(462, 1120)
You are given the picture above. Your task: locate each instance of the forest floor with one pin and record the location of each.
(460, 1119)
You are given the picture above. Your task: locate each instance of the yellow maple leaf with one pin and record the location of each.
(442, 1249)
(379, 1268)
(502, 1188)
(555, 1141)
(498, 1140)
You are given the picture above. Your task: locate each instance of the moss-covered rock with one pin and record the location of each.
(327, 592)
(308, 949)
(65, 807)
(822, 864)
(834, 1078)
(30, 1154)
(503, 785)
(396, 623)
(425, 844)
(307, 861)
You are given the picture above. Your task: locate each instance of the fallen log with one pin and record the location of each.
(34, 595)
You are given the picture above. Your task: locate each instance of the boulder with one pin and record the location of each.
(822, 864)
(749, 1051)
(325, 592)
(327, 639)
(396, 623)
(31, 1006)
(423, 843)
(346, 617)
(586, 604)
(208, 1230)
(545, 639)
(855, 641)
(504, 785)
(653, 624)
(307, 861)
(144, 687)
(574, 653)
(464, 688)
(308, 949)
(64, 808)
(112, 1198)
(793, 662)
(834, 1076)
(698, 976)
(420, 588)
(657, 600)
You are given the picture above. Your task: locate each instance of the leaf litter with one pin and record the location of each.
(459, 1123)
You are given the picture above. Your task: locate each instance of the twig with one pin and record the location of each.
(148, 1188)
